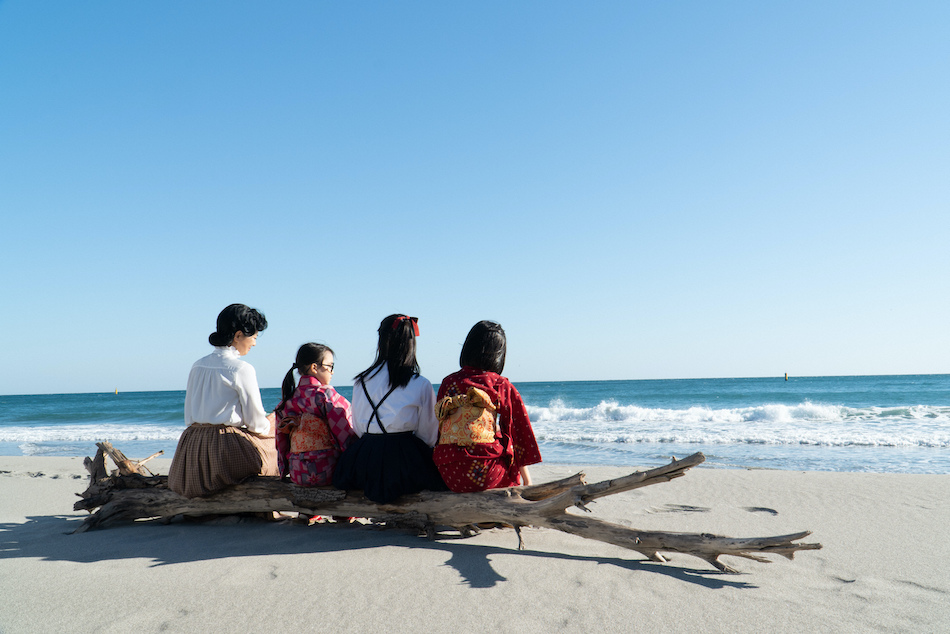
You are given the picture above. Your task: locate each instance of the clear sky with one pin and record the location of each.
(632, 189)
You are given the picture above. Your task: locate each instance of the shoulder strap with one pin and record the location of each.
(376, 407)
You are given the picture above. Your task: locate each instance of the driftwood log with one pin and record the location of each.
(132, 493)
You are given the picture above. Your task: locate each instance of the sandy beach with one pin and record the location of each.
(883, 566)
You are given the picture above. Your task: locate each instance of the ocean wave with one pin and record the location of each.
(612, 411)
(114, 433)
(610, 423)
(772, 424)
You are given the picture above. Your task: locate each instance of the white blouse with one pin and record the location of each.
(223, 390)
(410, 408)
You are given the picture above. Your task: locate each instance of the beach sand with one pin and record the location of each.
(885, 565)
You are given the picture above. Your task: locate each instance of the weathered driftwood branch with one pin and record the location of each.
(97, 466)
(130, 495)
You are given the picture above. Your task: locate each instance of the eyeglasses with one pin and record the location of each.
(328, 367)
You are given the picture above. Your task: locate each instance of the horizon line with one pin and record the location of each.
(781, 377)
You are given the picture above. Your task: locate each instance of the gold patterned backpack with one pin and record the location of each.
(467, 419)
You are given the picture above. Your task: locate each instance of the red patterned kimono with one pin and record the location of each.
(481, 466)
(313, 429)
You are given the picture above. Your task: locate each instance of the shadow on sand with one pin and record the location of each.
(49, 538)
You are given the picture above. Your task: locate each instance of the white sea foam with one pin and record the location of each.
(775, 424)
(89, 433)
(609, 422)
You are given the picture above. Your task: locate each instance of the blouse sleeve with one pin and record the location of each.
(359, 409)
(189, 398)
(428, 429)
(249, 396)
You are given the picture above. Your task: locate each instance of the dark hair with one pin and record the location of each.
(307, 355)
(397, 349)
(484, 348)
(234, 318)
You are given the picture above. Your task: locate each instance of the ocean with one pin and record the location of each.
(881, 424)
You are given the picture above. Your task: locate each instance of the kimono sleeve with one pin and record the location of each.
(522, 434)
(282, 438)
(339, 416)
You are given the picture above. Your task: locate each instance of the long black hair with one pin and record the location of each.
(234, 318)
(485, 347)
(397, 349)
(307, 355)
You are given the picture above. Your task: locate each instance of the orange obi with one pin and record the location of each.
(467, 419)
(311, 434)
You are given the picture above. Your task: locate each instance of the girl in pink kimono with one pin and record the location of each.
(314, 424)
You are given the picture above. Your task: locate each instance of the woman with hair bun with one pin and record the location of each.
(229, 435)
(394, 417)
(486, 440)
(314, 424)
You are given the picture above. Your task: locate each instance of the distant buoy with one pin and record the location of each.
(786, 376)
(117, 389)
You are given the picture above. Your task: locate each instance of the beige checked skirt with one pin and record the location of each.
(212, 457)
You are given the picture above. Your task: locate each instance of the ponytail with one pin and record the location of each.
(287, 387)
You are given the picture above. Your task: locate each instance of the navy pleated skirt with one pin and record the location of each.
(385, 466)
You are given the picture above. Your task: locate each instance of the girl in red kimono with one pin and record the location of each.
(314, 424)
(485, 438)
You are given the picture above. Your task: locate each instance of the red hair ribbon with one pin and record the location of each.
(413, 320)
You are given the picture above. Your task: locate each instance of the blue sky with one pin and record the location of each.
(633, 190)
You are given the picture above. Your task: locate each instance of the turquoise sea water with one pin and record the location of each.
(895, 424)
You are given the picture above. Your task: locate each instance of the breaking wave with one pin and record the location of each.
(802, 424)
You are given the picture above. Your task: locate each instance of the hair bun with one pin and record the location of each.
(217, 339)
